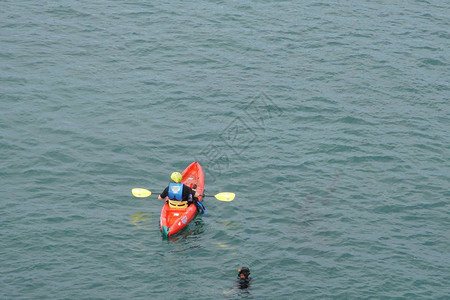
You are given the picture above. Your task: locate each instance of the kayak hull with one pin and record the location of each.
(173, 220)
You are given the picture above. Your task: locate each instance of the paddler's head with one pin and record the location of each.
(176, 177)
(243, 272)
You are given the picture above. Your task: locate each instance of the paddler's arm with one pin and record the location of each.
(164, 194)
(193, 192)
(195, 195)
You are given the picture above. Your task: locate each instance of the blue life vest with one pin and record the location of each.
(176, 191)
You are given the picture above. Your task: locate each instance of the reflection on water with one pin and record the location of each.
(228, 224)
(190, 237)
(142, 220)
(225, 246)
(187, 238)
(225, 234)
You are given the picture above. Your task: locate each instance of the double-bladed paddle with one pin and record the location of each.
(143, 193)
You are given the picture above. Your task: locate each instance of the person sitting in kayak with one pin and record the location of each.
(178, 191)
(244, 280)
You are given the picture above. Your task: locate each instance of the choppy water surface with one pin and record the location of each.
(329, 121)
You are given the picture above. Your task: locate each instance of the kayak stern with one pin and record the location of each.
(165, 231)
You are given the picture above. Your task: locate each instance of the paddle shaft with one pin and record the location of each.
(143, 193)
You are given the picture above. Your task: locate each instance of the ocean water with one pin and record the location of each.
(328, 119)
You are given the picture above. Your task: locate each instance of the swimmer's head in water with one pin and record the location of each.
(243, 272)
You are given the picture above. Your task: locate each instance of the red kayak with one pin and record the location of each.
(175, 217)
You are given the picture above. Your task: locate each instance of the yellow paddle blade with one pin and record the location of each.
(225, 196)
(141, 193)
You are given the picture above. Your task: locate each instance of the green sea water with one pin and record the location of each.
(328, 119)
